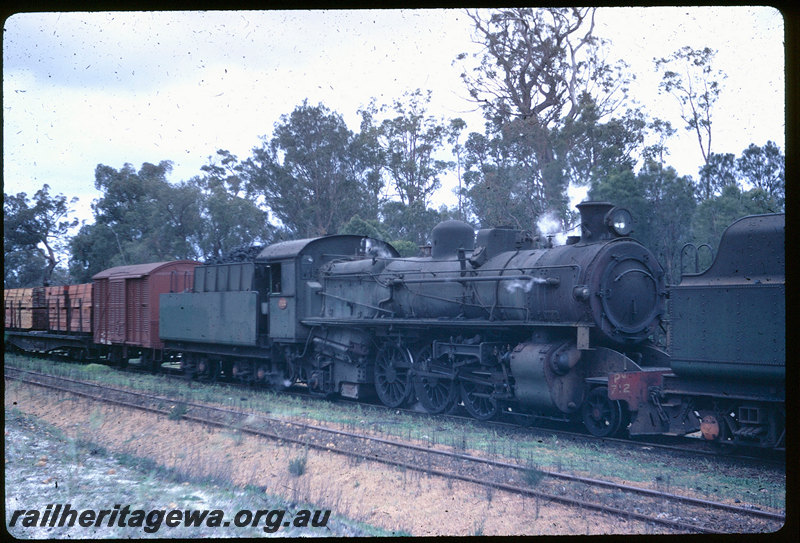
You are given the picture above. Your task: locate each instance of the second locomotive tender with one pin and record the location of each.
(491, 321)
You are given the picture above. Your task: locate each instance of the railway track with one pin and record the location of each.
(676, 512)
(683, 446)
(674, 444)
(679, 445)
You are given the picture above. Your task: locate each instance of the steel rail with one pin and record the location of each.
(688, 449)
(416, 466)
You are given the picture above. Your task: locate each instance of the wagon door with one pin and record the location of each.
(115, 322)
(137, 318)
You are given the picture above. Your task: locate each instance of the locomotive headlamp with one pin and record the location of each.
(620, 221)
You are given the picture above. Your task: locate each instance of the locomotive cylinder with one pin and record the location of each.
(548, 377)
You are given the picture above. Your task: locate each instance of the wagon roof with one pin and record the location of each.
(141, 270)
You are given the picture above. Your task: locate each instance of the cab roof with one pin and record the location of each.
(346, 244)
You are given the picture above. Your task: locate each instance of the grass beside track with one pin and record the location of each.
(711, 478)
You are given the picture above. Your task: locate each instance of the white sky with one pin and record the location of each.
(81, 89)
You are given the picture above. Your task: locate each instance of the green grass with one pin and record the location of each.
(97, 369)
(297, 465)
(537, 449)
(177, 411)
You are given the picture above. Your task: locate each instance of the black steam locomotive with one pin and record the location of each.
(490, 322)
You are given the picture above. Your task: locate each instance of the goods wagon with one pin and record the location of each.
(69, 308)
(50, 319)
(126, 306)
(25, 308)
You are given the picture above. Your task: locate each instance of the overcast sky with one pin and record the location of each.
(81, 89)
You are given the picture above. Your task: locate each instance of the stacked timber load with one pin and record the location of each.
(25, 308)
(70, 308)
(17, 306)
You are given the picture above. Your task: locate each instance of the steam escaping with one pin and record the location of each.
(518, 284)
(375, 250)
(550, 225)
(380, 252)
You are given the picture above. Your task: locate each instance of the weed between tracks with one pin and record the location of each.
(536, 449)
(177, 411)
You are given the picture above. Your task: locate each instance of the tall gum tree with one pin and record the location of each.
(410, 141)
(305, 173)
(38, 226)
(534, 72)
(139, 218)
(688, 75)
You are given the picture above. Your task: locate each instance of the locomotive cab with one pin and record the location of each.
(295, 268)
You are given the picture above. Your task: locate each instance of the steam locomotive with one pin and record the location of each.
(489, 322)
(499, 323)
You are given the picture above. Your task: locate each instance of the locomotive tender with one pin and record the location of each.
(727, 372)
(494, 322)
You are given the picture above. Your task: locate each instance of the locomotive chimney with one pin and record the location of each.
(593, 225)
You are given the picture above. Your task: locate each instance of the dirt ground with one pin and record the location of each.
(394, 499)
(43, 466)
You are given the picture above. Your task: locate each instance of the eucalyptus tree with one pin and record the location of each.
(311, 174)
(229, 218)
(34, 236)
(758, 186)
(718, 172)
(455, 129)
(537, 70)
(670, 208)
(658, 131)
(411, 222)
(139, 218)
(764, 168)
(410, 145)
(592, 148)
(688, 75)
(497, 168)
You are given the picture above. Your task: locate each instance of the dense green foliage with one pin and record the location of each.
(33, 233)
(314, 174)
(557, 114)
